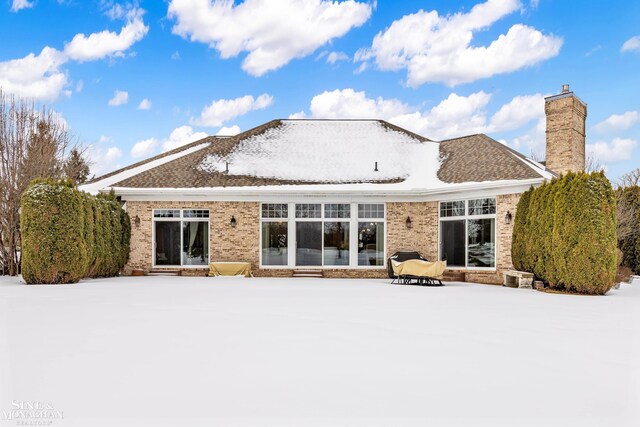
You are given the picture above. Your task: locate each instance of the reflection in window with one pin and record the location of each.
(308, 210)
(452, 208)
(195, 243)
(482, 248)
(482, 206)
(371, 210)
(371, 243)
(274, 243)
(336, 243)
(335, 210)
(275, 210)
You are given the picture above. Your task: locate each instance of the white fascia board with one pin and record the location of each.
(451, 191)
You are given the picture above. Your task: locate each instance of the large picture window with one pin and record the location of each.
(322, 234)
(468, 233)
(181, 237)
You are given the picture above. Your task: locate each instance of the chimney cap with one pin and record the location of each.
(565, 88)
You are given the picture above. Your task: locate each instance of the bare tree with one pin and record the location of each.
(626, 217)
(592, 164)
(630, 179)
(33, 143)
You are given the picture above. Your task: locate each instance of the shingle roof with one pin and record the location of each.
(478, 158)
(309, 152)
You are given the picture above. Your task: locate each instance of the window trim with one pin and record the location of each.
(353, 234)
(466, 217)
(180, 219)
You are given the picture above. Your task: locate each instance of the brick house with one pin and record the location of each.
(338, 195)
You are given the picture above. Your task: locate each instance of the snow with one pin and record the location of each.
(332, 152)
(167, 351)
(106, 183)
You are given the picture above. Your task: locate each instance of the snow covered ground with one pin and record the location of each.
(317, 352)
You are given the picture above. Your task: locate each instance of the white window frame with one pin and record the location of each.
(466, 217)
(353, 234)
(179, 219)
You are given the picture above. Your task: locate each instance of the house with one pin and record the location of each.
(338, 195)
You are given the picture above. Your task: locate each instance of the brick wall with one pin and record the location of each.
(242, 242)
(565, 150)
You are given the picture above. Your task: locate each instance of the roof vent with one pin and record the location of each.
(375, 169)
(226, 170)
(565, 88)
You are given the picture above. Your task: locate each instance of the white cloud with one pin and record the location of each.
(20, 4)
(617, 122)
(454, 116)
(104, 139)
(145, 104)
(221, 110)
(334, 57)
(144, 148)
(631, 45)
(119, 97)
(175, 56)
(107, 43)
(617, 150)
(34, 76)
(518, 112)
(434, 48)
(103, 159)
(181, 136)
(40, 76)
(228, 131)
(272, 34)
(79, 86)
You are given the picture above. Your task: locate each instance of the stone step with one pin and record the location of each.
(304, 272)
(158, 272)
(454, 276)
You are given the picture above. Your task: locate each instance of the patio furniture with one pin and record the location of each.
(230, 269)
(401, 256)
(518, 279)
(419, 272)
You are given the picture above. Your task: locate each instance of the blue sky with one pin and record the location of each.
(440, 68)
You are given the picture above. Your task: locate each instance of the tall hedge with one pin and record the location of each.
(54, 248)
(68, 234)
(629, 242)
(565, 233)
(519, 242)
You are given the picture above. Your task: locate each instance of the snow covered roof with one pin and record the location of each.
(355, 155)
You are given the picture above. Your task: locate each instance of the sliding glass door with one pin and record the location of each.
(309, 243)
(167, 243)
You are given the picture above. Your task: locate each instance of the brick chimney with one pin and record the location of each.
(566, 117)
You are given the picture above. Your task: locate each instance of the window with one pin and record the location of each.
(274, 243)
(275, 210)
(370, 234)
(308, 210)
(468, 233)
(371, 210)
(322, 235)
(181, 237)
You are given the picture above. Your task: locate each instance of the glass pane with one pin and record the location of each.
(335, 210)
(336, 243)
(371, 210)
(452, 208)
(167, 251)
(275, 210)
(195, 243)
(195, 213)
(482, 206)
(308, 210)
(308, 243)
(482, 248)
(166, 213)
(274, 243)
(370, 243)
(452, 243)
